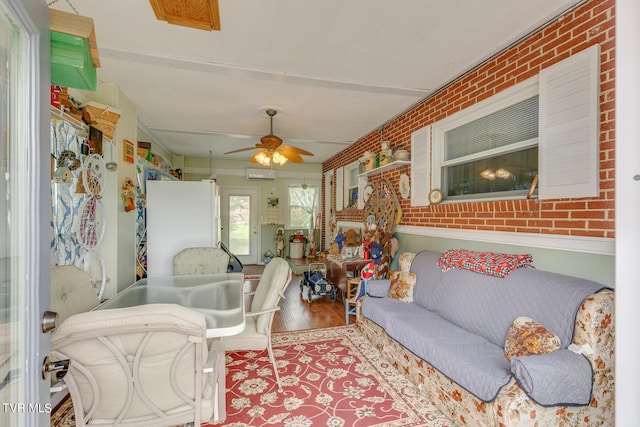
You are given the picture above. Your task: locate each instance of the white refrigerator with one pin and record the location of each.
(180, 214)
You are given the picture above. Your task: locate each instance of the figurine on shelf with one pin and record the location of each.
(312, 248)
(279, 239)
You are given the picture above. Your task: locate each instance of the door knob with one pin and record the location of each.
(60, 367)
(49, 321)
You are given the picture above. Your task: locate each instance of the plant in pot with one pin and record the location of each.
(268, 256)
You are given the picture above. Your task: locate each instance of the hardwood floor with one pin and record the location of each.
(296, 313)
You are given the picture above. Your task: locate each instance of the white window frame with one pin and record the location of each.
(506, 98)
(290, 183)
(360, 183)
(569, 123)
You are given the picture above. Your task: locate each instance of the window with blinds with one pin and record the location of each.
(495, 153)
(500, 129)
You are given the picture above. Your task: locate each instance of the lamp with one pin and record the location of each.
(279, 158)
(491, 175)
(265, 157)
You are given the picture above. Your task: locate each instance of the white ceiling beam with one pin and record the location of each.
(226, 69)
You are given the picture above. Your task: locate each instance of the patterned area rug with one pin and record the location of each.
(331, 377)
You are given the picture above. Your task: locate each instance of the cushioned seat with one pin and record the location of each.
(257, 331)
(71, 291)
(138, 366)
(467, 358)
(200, 261)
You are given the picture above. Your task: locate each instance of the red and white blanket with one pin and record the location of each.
(489, 263)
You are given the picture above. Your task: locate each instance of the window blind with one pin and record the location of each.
(516, 123)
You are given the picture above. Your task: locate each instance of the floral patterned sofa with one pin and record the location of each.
(531, 349)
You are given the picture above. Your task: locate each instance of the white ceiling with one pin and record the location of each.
(334, 69)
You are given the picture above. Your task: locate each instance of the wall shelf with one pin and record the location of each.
(387, 167)
(58, 113)
(150, 166)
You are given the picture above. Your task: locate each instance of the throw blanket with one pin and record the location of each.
(489, 263)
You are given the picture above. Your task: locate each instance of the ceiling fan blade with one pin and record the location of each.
(296, 150)
(245, 149)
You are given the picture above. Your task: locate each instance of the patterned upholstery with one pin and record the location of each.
(594, 326)
(200, 261)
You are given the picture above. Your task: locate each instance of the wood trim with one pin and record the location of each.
(593, 245)
(199, 14)
(76, 25)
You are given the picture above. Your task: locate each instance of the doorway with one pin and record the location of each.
(25, 209)
(240, 230)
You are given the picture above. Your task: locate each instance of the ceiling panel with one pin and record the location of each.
(334, 69)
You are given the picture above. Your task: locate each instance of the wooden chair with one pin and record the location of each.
(355, 291)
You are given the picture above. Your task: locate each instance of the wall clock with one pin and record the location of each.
(435, 197)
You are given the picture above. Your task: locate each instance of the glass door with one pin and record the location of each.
(240, 218)
(25, 210)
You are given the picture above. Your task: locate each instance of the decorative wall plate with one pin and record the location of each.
(366, 193)
(435, 197)
(403, 186)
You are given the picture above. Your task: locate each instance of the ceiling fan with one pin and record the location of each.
(272, 149)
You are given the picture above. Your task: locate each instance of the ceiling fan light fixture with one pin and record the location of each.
(279, 158)
(263, 157)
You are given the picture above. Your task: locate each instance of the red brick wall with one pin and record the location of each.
(591, 23)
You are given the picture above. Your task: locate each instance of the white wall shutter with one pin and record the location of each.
(569, 132)
(420, 166)
(339, 189)
(362, 183)
(328, 207)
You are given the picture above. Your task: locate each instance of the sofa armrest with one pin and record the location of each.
(378, 288)
(595, 327)
(561, 377)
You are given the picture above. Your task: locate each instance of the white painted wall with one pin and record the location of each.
(118, 246)
(627, 211)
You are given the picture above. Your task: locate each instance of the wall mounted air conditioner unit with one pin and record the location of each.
(260, 174)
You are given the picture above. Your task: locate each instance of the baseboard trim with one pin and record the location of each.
(590, 245)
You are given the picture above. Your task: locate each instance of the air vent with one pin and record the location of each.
(260, 174)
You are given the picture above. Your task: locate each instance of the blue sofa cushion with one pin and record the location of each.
(378, 288)
(487, 305)
(382, 310)
(466, 358)
(558, 378)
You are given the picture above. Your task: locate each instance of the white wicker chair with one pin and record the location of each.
(204, 260)
(138, 366)
(257, 332)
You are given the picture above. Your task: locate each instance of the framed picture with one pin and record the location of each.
(95, 136)
(272, 202)
(128, 151)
